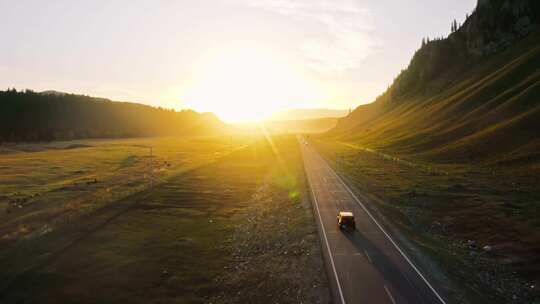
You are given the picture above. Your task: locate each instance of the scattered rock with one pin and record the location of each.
(471, 244)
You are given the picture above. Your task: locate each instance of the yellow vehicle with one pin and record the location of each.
(345, 219)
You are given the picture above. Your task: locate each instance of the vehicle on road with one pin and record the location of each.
(345, 219)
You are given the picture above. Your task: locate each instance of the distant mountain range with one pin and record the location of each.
(473, 96)
(53, 92)
(304, 120)
(315, 125)
(51, 115)
(304, 114)
(54, 115)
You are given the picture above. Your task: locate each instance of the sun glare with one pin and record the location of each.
(248, 84)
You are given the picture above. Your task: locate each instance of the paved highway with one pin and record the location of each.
(366, 265)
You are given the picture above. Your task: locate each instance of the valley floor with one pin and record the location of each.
(203, 220)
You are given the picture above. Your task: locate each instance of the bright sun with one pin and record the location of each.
(248, 84)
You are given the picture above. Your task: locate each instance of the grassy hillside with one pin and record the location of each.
(30, 116)
(488, 113)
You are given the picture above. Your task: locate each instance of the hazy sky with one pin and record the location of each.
(220, 54)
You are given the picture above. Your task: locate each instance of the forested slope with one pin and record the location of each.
(473, 96)
(31, 116)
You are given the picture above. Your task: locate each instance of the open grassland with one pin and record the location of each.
(451, 212)
(226, 222)
(43, 185)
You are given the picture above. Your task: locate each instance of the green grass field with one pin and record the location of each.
(42, 184)
(441, 207)
(226, 221)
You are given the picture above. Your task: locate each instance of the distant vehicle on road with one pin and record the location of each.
(345, 219)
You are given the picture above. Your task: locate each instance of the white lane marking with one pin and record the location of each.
(367, 256)
(327, 244)
(389, 294)
(385, 233)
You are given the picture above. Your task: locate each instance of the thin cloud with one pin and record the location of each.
(345, 41)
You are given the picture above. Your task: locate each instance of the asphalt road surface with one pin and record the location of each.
(365, 265)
